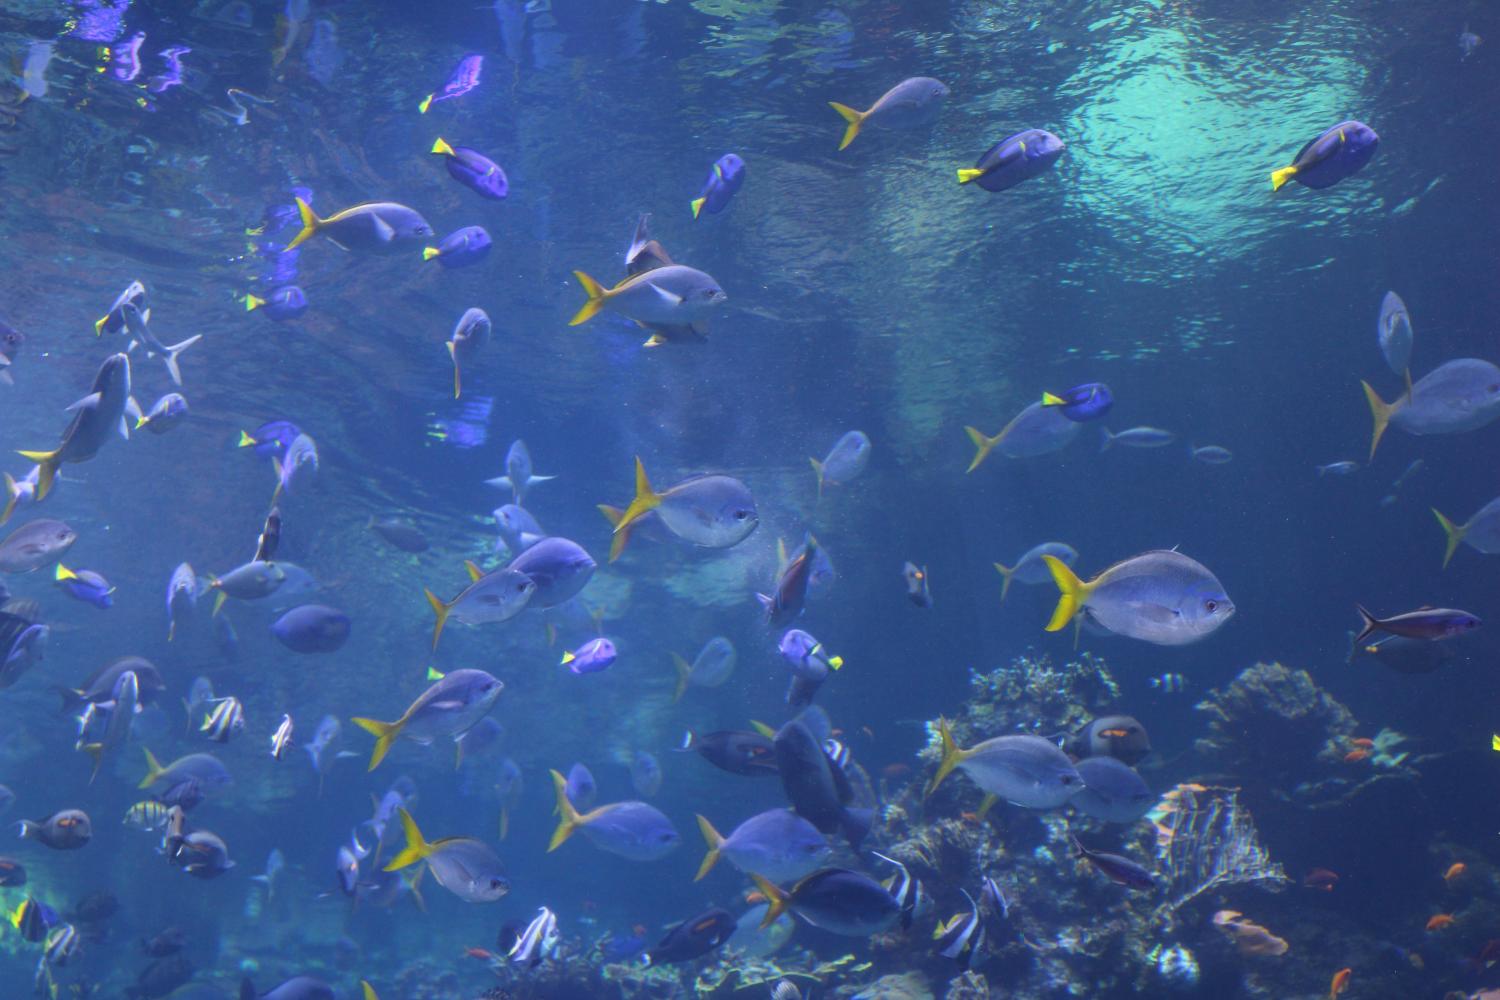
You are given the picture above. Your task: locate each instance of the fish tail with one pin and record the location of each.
(818, 471)
(246, 441)
(715, 845)
(953, 755)
(385, 734)
(430, 252)
(1455, 533)
(684, 672)
(47, 464)
(99, 325)
(567, 658)
(310, 224)
(986, 805)
(1106, 440)
(697, 204)
(1074, 592)
(854, 118)
(12, 496)
(1007, 573)
(763, 729)
(367, 992)
(1280, 177)
(416, 848)
(458, 386)
(96, 753)
(596, 294)
(1368, 623)
(219, 600)
(569, 819)
(968, 174)
(646, 500)
(1380, 410)
(441, 147)
(154, 769)
(982, 446)
(1048, 399)
(776, 899)
(253, 302)
(426, 103)
(442, 611)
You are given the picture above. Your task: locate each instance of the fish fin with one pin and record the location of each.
(87, 402)
(253, 302)
(154, 769)
(1050, 400)
(416, 848)
(982, 446)
(61, 573)
(47, 464)
(458, 385)
(596, 293)
(611, 514)
(646, 500)
(473, 570)
(1280, 177)
(684, 672)
(776, 899)
(12, 496)
(672, 299)
(96, 753)
(986, 805)
(836, 662)
(569, 819)
(1380, 411)
(1368, 624)
(965, 175)
(1073, 593)
(426, 103)
(855, 120)
(1455, 533)
(367, 991)
(219, 600)
(441, 147)
(170, 358)
(763, 729)
(430, 252)
(567, 658)
(1106, 439)
(99, 325)
(817, 467)
(246, 441)
(1008, 573)
(953, 755)
(385, 734)
(698, 206)
(434, 674)
(310, 224)
(441, 610)
(715, 844)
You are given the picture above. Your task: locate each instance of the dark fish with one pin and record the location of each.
(168, 942)
(33, 919)
(1088, 401)
(96, 907)
(1424, 623)
(67, 830)
(312, 628)
(735, 751)
(399, 533)
(97, 418)
(692, 938)
(473, 170)
(1117, 736)
(1118, 869)
(723, 182)
(1409, 656)
(807, 778)
(12, 873)
(786, 600)
(286, 302)
(296, 988)
(962, 937)
(463, 78)
(160, 978)
(907, 890)
(916, 585)
(99, 686)
(271, 439)
(1014, 159)
(461, 248)
(835, 899)
(1338, 152)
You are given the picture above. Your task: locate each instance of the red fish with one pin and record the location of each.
(1321, 878)
(1340, 982)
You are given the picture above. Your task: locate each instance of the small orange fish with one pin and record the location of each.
(968, 817)
(1114, 734)
(1355, 756)
(1455, 871)
(1340, 982)
(478, 953)
(1438, 921)
(1363, 741)
(752, 898)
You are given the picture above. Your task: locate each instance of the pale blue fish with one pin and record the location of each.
(709, 669)
(844, 461)
(1036, 430)
(1136, 437)
(1031, 568)
(632, 830)
(519, 476)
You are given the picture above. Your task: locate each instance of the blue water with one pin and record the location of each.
(865, 290)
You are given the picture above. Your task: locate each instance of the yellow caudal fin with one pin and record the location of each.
(818, 471)
(1074, 592)
(1455, 533)
(953, 755)
(154, 769)
(441, 609)
(967, 174)
(441, 147)
(430, 252)
(763, 729)
(310, 224)
(646, 500)
(47, 463)
(986, 805)
(96, 753)
(1008, 574)
(854, 118)
(1380, 410)
(458, 386)
(596, 294)
(473, 570)
(982, 446)
(246, 441)
(684, 673)
(426, 103)
(253, 302)
(367, 990)
(715, 845)
(62, 573)
(776, 899)
(698, 206)
(416, 848)
(570, 820)
(12, 496)
(385, 734)
(1050, 400)
(1280, 177)
(567, 658)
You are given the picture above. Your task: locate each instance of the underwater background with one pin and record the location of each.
(866, 289)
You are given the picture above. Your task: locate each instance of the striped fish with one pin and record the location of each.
(961, 937)
(906, 889)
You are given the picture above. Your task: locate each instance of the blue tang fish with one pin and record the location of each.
(592, 657)
(461, 248)
(1339, 152)
(286, 302)
(1014, 159)
(473, 170)
(1088, 401)
(723, 182)
(464, 78)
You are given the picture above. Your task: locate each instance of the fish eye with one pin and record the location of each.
(1068, 779)
(1211, 605)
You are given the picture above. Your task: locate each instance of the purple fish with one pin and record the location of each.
(473, 170)
(592, 657)
(1014, 159)
(286, 302)
(125, 58)
(312, 628)
(1338, 153)
(723, 181)
(460, 248)
(1423, 623)
(85, 585)
(784, 605)
(464, 78)
(271, 438)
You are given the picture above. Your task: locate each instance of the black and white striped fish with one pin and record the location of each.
(962, 936)
(992, 899)
(227, 718)
(906, 889)
(282, 738)
(784, 990)
(837, 753)
(538, 941)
